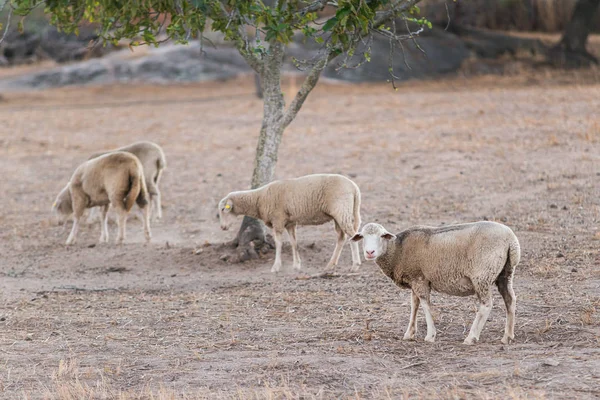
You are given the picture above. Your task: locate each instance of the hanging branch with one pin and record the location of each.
(8, 18)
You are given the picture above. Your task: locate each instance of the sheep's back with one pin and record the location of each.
(454, 257)
(313, 199)
(106, 174)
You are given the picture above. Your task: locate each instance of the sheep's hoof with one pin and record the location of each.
(355, 267)
(507, 340)
(430, 339)
(469, 341)
(408, 336)
(276, 268)
(298, 266)
(330, 266)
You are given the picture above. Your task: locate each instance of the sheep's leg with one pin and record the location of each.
(355, 255)
(338, 247)
(431, 331)
(146, 221)
(412, 325)
(510, 300)
(79, 201)
(92, 215)
(74, 230)
(422, 291)
(156, 205)
(485, 306)
(277, 237)
(104, 225)
(122, 222)
(156, 193)
(292, 234)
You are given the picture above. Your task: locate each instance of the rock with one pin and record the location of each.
(170, 63)
(20, 48)
(444, 52)
(49, 43)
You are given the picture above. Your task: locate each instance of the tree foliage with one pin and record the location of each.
(251, 24)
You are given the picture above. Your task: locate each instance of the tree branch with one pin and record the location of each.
(307, 86)
(313, 77)
(314, 6)
(242, 44)
(10, 11)
(396, 8)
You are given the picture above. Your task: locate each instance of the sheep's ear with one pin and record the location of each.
(228, 206)
(357, 238)
(388, 236)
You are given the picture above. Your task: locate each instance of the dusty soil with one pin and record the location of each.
(172, 320)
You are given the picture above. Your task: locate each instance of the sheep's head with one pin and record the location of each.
(375, 238)
(63, 205)
(226, 213)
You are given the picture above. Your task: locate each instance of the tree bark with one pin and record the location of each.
(251, 238)
(570, 52)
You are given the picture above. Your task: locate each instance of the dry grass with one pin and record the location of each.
(173, 323)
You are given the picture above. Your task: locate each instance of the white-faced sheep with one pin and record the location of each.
(154, 162)
(115, 179)
(459, 260)
(308, 200)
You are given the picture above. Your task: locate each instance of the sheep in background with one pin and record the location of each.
(154, 162)
(308, 200)
(115, 179)
(460, 260)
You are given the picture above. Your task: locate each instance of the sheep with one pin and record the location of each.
(154, 162)
(307, 200)
(115, 179)
(460, 260)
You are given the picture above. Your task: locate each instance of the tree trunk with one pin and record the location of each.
(251, 237)
(570, 52)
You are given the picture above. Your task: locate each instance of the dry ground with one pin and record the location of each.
(161, 321)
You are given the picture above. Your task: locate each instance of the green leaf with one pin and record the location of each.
(330, 24)
(342, 12)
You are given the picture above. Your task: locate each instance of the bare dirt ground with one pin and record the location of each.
(161, 321)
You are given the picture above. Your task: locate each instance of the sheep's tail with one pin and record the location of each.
(161, 162)
(143, 197)
(134, 190)
(138, 193)
(356, 210)
(513, 257)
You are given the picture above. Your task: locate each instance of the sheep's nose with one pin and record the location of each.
(370, 252)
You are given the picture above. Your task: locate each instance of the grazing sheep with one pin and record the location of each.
(460, 260)
(154, 162)
(308, 200)
(115, 179)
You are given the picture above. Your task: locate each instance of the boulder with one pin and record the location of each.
(442, 52)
